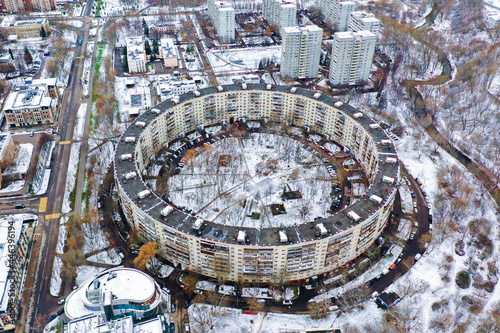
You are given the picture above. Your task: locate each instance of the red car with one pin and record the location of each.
(112, 242)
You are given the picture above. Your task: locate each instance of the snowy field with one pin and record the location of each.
(242, 60)
(234, 178)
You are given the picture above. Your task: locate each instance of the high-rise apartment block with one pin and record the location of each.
(336, 12)
(352, 56)
(300, 52)
(281, 13)
(15, 6)
(361, 20)
(222, 15)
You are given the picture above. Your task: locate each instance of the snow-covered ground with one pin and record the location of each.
(255, 175)
(80, 122)
(71, 176)
(242, 60)
(13, 186)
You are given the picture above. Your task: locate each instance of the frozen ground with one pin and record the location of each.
(234, 178)
(242, 60)
(80, 122)
(13, 186)
(71, 176)
(56, 281)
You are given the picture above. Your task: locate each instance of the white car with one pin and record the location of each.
(287, 302)
(61, 301)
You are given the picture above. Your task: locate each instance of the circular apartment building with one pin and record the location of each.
(235, 244)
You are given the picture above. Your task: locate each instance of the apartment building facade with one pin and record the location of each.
(361, 20)
(32, 104)
(258, 255)
(25, 28)
(336, 12)
(300, 52)
(352, 57)
(280, 13)
(222, 16)
(16, 6)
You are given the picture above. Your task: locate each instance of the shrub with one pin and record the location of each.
(463, 279)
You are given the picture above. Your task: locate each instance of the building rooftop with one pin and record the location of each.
(29, 96)
(169, 49)
(136, 49)
(153, 205)
(298, 29)
(8, 21)
(121, 283)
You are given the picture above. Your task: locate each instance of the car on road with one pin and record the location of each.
(52, 317)
(418, 256)
(103, 224)
(412, 236)
(32, 133)
(20, 206)
(413, 194)
(172, 308)
(172, 327)
(61, 311)
(186, 327)
(80, 42)
(61, 301)
(186, 305)
(414, 204)
(392, 266)
(397, 261)
(287, 302)
(120, 254)
(112, 241)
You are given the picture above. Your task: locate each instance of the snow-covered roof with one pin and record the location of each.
(135, 48)
(30, 96)
(168, 47)
(122, 283)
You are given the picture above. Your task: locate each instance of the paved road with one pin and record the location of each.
(37, 301)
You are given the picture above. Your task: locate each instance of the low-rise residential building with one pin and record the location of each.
(250, 78)
(14, 252)
(170, 89)
(16, 6)
(31, 104)
(280, 12)
(222, 15)
(352, 57)
(25, 28)
(300, 52)
(136, 55)
(168, 52)
(361, 20)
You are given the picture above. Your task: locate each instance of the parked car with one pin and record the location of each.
(172, 308)
(20, 206)
(418, 256)
(287, 302)
(172, 327)
(52, 317)
(61, 301)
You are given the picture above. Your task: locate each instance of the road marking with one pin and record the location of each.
(64, 142)
(52, 216)
(43, 205)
